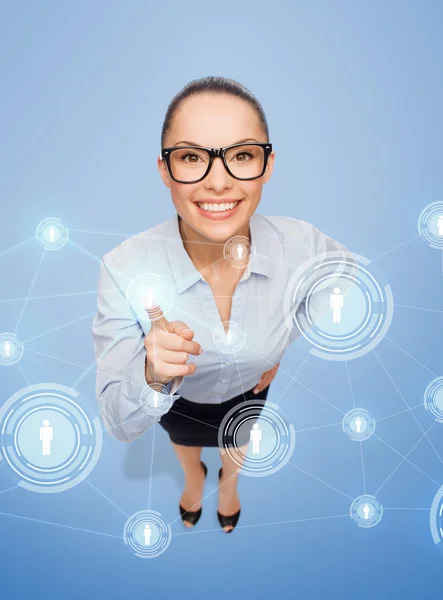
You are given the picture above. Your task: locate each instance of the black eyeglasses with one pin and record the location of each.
(190, 164)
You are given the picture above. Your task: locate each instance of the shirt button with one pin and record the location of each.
(227, 363)
(223, 380)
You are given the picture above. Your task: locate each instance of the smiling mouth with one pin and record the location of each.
(218, 207)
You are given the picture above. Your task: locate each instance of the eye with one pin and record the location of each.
(244, 154)
(190, 155)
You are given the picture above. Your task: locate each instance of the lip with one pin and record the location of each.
(217, 216)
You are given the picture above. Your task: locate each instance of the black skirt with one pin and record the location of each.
(194, 424)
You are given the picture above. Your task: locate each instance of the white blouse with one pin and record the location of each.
(281, 245)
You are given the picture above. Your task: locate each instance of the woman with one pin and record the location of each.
(216, 157)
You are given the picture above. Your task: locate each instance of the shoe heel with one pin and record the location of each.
(230, 520)
(192, 516)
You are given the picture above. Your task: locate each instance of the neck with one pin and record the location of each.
(204, 253)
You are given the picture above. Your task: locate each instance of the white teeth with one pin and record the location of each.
(218, 207)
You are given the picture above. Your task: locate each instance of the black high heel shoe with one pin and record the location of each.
(192, 516)
(227, 521)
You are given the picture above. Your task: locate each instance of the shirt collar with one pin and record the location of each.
(263, 239)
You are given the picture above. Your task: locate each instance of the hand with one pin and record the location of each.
(168, 346)
(266, 379)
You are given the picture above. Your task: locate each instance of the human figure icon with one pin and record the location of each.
(147, 532)
(336, 303)
(46, 436)
(149, 298)
(156, 401)
(256, 437)
(51, 234)
(229, 337)
(240, 251)
(358, 423)
(7, 349)
(366, 511)
(440, 225)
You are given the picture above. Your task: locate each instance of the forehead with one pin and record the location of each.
(215, 120)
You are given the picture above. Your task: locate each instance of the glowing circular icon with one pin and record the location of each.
(51, 234)
(150, 296)
(338, 303)
(433, 398)
(11, 349)
(156, 400)
(257, 438)
(358, 424)
(436, 519)
(366, 511)
(430, 224)
(147, 534)
(48, 443)
(239, 251)
(229, 341)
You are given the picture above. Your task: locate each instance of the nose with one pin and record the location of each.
(218, 176)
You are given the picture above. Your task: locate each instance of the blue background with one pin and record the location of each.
(353, 95)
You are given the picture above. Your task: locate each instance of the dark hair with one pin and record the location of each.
(213, 85)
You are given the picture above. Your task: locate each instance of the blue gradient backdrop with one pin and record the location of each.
(353, 95)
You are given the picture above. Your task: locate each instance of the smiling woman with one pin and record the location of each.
(224, 268)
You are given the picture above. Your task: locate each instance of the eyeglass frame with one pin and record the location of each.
(213, 153)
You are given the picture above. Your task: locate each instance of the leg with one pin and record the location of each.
(229, 502)
(189, 457)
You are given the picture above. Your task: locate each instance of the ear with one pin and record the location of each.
(269, 167)
(161, 164)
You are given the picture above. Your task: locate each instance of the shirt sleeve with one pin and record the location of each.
(120, 361)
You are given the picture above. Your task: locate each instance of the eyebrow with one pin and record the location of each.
(194, 144)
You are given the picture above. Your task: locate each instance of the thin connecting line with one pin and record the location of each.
(292, 380)
(395, 247)
(83, 375)
(106, 498)
(410, 355)
(40, 335)
(85, 251)
(404, 400)
(387, 508)
(36, 337)
(319, 480)
(152, 464)
(404, 458)
(60, 525)
(101, 233)
(318, 427)
(400, 412)
(350, 384)
(23, 373)
(363, 468)
(267, 524)
(418, 308)
(17, 246)
(9, 489)
(50, 296)
(297, 381)
(68, 362)
(361, 447)
(30, 290)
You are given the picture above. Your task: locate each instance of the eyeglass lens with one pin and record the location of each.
(190, 164)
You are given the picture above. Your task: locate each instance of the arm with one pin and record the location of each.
(120, 358)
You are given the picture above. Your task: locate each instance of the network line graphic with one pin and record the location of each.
(51, 439)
